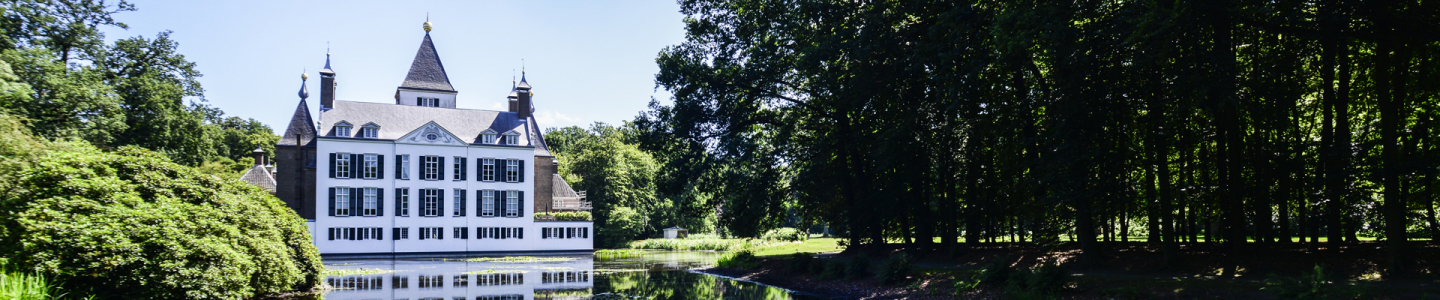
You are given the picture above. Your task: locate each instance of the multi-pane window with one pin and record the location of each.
(402, 202)
(343, 131)
(512, 204)
(461, 233)
(430, 203)
(488, 138)
(371, 167)
(459, 167)
(458, 209)
(342, 165)
(399, 282)
(436, 281)
(371, 204)
(487, 169)
(369, 132)
(431, 233)
(499, 233)
(402, 233)
(565, 232)
(403, 169)
(511, 139)
(427, 102)
(342, 202)
(430, 168)
(355, 233)
(487, 203)
(461, 280)
(512, 170)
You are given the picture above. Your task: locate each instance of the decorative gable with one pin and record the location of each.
(431, 134)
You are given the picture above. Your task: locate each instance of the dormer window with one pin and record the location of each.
(427, 102)
(511, 138)
(488, 137)
(342, 129)
(370, 131)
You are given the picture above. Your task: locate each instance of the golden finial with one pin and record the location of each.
(427, 22)
(303, 76)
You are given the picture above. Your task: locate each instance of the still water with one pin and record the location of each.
(653, 275)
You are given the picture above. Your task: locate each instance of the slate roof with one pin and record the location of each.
(426, 71)
(301, 125)
(561, 189)
(260, 176)
(396, 121)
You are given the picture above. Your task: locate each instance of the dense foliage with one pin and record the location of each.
(623, 184)
(130, 224)
(1226, 121)
(135, 91)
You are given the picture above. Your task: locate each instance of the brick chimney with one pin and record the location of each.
(259, 156)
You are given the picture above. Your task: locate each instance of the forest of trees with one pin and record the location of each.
(1237, 122)
(68, 83)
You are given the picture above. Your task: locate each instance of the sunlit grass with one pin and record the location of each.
(701, 243)
(609, 254)
(522, 259)
(360, 271)
(813, 245)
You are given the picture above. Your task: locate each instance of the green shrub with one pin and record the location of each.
(743, 259)
(834, 269)
(130, 224)
(623, 225)
(996, 271)
(895, 268)
(857, 267)
(697, 244)
(1044, 282)
(785, 234)
(563, 216)
(799, 263)
(1314, 285)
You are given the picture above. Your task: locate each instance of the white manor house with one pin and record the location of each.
(420, 176)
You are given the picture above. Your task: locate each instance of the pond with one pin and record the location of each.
(652, 275)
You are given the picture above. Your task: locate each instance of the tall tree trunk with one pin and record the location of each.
(1389, 60)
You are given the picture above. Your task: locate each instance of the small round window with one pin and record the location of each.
(432, 136)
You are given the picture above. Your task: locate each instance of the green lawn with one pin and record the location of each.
(813, 245)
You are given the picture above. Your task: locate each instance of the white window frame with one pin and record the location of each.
(404, 166)
(342, 165)
(430, 202)
(427, 102)
(404, 233)
(487, 169)
(430, 167)
(404, 195)
(512, 139)
(459, 167)
(369, 132)
(342, 202)
(487, 138)
(456, 195)
(370, 207)
(512, 203)
(487, 203)
(342, 131)
(371, 166)
(512, 170)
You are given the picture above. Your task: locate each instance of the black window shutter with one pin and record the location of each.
(478, 198)
(398, 213)
(521, 170)
(440, 203)
(356, 164)
(439, 233)
(441, 167)
(422, 232)
(479, 173)
(462, 195)
(463, 168)
(379, 233)
(501, 198)
(350, 232)
(332, 233)
(380, 202)
(332, 202)
(520, 207)
(332, 165)
(380, 166)
(357, 201)
(519, 233)
(398, 166)
(395, 233)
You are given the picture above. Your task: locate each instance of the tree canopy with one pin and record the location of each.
(1242, 122)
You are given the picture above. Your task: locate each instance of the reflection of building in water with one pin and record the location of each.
(553, 277)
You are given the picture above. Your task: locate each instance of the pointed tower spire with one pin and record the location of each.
(304, 92)
(327, 84)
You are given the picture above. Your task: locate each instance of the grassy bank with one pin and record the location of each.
(759, 247)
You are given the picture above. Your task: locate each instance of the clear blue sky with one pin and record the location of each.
(587, 60)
